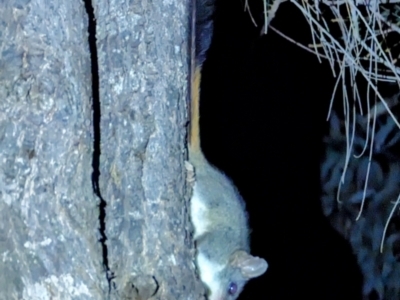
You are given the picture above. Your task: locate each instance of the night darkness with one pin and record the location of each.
(263, 107)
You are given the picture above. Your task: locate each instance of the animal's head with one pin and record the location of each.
(227, 282)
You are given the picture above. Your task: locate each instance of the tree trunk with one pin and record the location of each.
(93, 200)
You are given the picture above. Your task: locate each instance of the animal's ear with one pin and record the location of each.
(250, 266)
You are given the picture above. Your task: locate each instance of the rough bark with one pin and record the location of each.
(58, 240)
(143, 66)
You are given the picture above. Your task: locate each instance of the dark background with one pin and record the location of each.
(263, 109)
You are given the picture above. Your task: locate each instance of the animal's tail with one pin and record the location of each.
(201, 31)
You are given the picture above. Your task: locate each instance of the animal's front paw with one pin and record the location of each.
(190, 174)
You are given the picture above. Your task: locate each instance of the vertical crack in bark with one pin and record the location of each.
(97, 137)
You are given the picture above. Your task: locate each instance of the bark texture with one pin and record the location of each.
(58, 240)
(143, 69)
(48, 213)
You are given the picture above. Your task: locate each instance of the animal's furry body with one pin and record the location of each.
(217, 210)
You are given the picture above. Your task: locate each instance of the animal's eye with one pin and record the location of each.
(232, 288)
